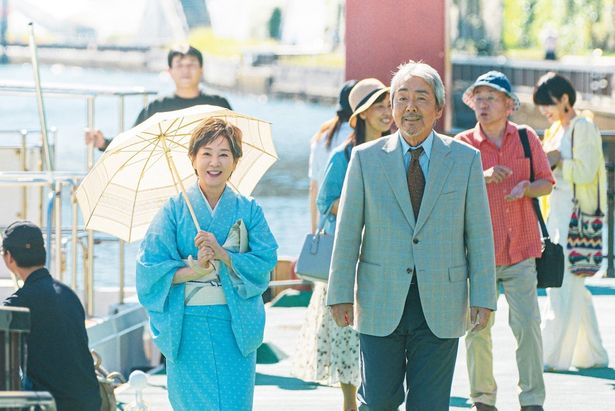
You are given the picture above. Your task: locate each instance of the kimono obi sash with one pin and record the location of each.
(204, 293)
(207, 290)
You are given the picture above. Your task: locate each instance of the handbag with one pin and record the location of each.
(584, 236)
(550, 265)
(315, 257)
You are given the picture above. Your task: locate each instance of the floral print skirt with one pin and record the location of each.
(326, 354)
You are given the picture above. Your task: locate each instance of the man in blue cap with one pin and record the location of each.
(58, 359)
(510, 188)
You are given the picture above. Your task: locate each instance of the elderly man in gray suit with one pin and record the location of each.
(413, 243)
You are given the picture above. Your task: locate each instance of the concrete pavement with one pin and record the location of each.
(580, 390)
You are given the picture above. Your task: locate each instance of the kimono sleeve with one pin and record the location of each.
(158, 260)
(254, 266)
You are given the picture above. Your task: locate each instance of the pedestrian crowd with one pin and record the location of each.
(429, 230)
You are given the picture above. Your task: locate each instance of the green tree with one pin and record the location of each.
(275, 22)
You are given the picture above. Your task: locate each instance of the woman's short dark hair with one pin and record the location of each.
(212, 129)
(552, 87)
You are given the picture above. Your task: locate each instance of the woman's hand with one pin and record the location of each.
(205, 256)
(554, 156)
(205, 239)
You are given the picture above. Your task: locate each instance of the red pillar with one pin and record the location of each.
(382, 34)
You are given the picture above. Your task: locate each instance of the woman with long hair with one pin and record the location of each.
(331, 134)
(574, 147)
(329, 354)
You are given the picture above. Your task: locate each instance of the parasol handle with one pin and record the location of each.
(177, 178)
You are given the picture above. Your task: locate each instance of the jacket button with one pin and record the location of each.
(415, 241)
(409, 270)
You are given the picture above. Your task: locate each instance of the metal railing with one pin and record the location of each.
(608, 147)
(27, 400)
(591, 80)
(55, 182)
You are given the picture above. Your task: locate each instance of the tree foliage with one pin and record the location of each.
(580, 25)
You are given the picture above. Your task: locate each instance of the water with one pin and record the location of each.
(283, 191)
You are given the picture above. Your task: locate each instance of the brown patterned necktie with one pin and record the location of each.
(416, 181)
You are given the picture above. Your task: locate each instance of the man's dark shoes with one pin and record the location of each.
(532, 408)
(479, 406)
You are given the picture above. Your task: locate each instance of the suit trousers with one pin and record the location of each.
(411, 351)
(519, 284)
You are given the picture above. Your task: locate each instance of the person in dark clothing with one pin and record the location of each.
(58, 359)
(186, 70)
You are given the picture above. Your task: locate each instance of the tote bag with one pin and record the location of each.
(584, 236)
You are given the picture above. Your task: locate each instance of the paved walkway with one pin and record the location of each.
(574, 390)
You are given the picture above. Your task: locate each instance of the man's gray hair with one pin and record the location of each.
(426, 72)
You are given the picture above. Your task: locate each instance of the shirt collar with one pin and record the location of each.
(480, 137)
(426, 144)
(36, 274)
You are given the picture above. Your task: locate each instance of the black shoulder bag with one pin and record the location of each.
(550, 266)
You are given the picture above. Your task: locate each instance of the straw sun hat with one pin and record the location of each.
(363, 95)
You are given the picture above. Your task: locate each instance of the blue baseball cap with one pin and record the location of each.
(495, 80)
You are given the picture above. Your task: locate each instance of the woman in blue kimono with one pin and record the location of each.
(204, 300)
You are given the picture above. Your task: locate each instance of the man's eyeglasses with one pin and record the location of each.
(485, 100)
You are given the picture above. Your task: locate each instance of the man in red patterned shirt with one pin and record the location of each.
(516, 234)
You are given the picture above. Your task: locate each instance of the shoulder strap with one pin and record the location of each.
(527, 151)
(574, 186)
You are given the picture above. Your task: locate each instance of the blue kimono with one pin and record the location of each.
(210, 349)
(331, 188)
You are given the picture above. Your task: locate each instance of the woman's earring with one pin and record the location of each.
(566, 109)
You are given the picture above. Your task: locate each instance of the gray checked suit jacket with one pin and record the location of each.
(378, 244)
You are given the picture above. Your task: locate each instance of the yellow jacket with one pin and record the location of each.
(586, 169)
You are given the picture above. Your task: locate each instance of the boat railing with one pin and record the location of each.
(55, 182)
(27, 400)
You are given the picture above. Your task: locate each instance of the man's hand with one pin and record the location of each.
(518, 191)
(95, 137)
(343, 314)
(479, 317)
(497, 174)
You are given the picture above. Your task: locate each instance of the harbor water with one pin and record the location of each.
(283, 191)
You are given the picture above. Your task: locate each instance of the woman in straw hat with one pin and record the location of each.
(204, 299)
(327, 353)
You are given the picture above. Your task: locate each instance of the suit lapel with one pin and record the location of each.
(393, 165)
(439, 167)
